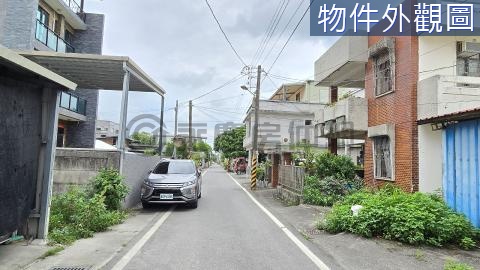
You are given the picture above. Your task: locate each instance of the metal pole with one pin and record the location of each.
(160, 139)
(253, 176)
(190, 131)
(123, 117)
(175, 131)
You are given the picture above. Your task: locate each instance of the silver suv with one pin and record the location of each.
(172, 181)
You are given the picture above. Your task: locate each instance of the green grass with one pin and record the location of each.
(453, 265)
(51, 252)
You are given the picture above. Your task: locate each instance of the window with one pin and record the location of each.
(468, 64)
(308, 122)
(382, 156)
(382, 73)
(68, 36)
(175, 167)
(42, 16)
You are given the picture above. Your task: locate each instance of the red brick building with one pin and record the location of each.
(391, 149)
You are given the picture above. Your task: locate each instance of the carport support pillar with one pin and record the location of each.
(50, 105)
(123, 116)
(160, 134)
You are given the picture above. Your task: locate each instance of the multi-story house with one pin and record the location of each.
(422, 124)
(107, 131)
(341, 69)
(287, 123)
(58, 26)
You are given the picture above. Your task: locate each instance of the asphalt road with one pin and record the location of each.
(227, 231)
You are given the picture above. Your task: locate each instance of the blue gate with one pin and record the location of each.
(461, 168)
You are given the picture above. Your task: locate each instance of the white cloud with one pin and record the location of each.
(180, 46)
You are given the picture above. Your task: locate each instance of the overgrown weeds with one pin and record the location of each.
(396, 215)
(80, 212)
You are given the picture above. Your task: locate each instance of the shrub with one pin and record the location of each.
(327, 164)
(410, 218)
(328, 190)
(109, 184)
(74, 215)
(79, 213)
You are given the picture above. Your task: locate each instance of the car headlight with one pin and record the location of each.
(148, 183)
(189, 183)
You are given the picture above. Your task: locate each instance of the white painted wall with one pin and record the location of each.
(430, 157)
(437, 56)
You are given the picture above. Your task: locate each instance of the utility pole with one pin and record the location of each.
(190, 130)
(175, 131)
(253, 176)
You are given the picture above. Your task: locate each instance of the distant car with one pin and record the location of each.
(172, 181)
(240, 165)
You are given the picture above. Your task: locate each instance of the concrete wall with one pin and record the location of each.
(78, 166)
(135, 170)
(17, 23)
(430, 159)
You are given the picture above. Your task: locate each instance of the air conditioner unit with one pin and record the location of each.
(467, 49)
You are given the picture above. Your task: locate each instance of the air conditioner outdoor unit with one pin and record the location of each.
(467, 49)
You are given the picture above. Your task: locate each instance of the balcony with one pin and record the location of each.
(439, 96)
(343, 65)
(346, 119)
(49, 38)
(72, 108)
(73, 5)
(71, 10)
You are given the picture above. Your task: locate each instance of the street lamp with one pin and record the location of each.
(246, 89)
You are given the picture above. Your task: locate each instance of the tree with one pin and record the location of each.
(230, 143)
(143, 137)
(201, 146)
(181, 151)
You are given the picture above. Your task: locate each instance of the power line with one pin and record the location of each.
(224, 34)
(283, 31)
(274, 28)
(267, 31)
(236, 78)
(291, 35)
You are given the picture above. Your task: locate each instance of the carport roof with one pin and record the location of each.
(92, 71)
(12, 58)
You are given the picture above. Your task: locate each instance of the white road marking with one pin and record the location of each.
(134, 250)
(319, 263)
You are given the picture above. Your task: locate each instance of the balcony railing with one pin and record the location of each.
(73, 103)
(73, 5)
(51, 39)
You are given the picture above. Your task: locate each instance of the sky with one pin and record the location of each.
(180, 46)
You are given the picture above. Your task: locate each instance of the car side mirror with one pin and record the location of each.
(150, 171)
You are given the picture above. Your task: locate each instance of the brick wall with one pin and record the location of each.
(398, 108)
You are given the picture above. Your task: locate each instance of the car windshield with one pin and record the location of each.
(174, 167)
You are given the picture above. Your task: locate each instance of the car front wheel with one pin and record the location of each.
(193, 204)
